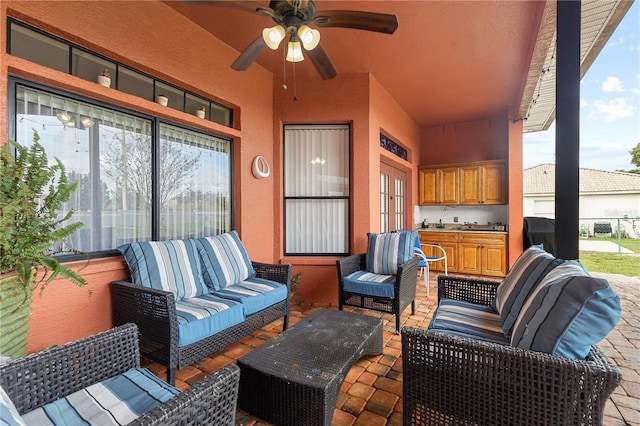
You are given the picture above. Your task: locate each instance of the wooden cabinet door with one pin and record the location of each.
(469, 258)
(428, 186)
(494, 260)
(448, 186)
(448, 241)
(470, 192)
(482, 254)
(493, 187)
(452, 255)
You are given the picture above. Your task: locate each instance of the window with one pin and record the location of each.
(37, 46)
(111, 155)
(195, 182)
(316, 189)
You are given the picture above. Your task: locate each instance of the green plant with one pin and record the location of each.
(295, 282)
(32, 192)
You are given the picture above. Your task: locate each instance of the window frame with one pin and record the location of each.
(14, 81)
(347, 197)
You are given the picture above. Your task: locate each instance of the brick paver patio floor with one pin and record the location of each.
(371, 394)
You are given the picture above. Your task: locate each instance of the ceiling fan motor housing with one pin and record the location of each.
(292, 13)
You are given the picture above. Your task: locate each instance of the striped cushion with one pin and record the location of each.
(468, 320)
(225, 261)
(385, 252)
(525, 275)
(203, 316)
(567, 313)
(9, 415)
(363, 282)
(255, 294)
(115, 401)
(172, 266)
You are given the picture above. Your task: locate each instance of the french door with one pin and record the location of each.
(393, 200)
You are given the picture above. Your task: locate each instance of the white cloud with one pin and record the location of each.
(612, 84)
(611, 110)
(583, 103)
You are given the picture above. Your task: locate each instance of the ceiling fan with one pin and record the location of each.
(292, 18)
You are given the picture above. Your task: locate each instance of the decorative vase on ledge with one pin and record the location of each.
(200, 113)
(104, 81)
(162, 100)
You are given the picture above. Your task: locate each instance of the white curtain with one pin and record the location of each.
(316, 189)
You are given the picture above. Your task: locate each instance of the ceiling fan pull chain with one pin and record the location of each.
(284, 70)
(295, 87)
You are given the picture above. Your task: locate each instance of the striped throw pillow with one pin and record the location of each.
(385, 252)
(567, 313)
(172, 266)
(225, 260)
(525, 275)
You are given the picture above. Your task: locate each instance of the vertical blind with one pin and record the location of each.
(316, 189)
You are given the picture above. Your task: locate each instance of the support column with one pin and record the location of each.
(567, 129)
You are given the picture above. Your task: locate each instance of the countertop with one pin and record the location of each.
(458, 229)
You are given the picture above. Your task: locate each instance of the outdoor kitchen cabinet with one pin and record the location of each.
(477, 183)
(482, 254)
(438, 186)
(469, 252)
(448, 241)
(483, 183)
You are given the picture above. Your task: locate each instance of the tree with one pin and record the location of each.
(635, 155)
(128, 161)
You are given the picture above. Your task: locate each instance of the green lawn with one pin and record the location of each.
(614, 263)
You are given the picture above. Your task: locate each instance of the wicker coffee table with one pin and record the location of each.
(294, 378)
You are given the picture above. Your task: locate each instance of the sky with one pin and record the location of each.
(609, 105)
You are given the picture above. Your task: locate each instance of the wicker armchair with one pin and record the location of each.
(449, 379)
(404, 288)
(154, 312)
(43, 377)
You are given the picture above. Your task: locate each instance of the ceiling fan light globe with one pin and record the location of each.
(309, 37)
(273, 36)
(294, 52)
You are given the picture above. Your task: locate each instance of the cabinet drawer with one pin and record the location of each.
(482, 238)
(429, 237)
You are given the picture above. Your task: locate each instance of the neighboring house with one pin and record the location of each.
(605, 197)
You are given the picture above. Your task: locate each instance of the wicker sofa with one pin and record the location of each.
(521, 351)
(193, 297)
(68, 376)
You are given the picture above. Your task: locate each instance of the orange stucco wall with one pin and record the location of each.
(483, 139)
(515, 191)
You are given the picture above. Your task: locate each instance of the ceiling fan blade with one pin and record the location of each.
(322, 62)
(368, 21)
(247, 6)
(249, 55)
